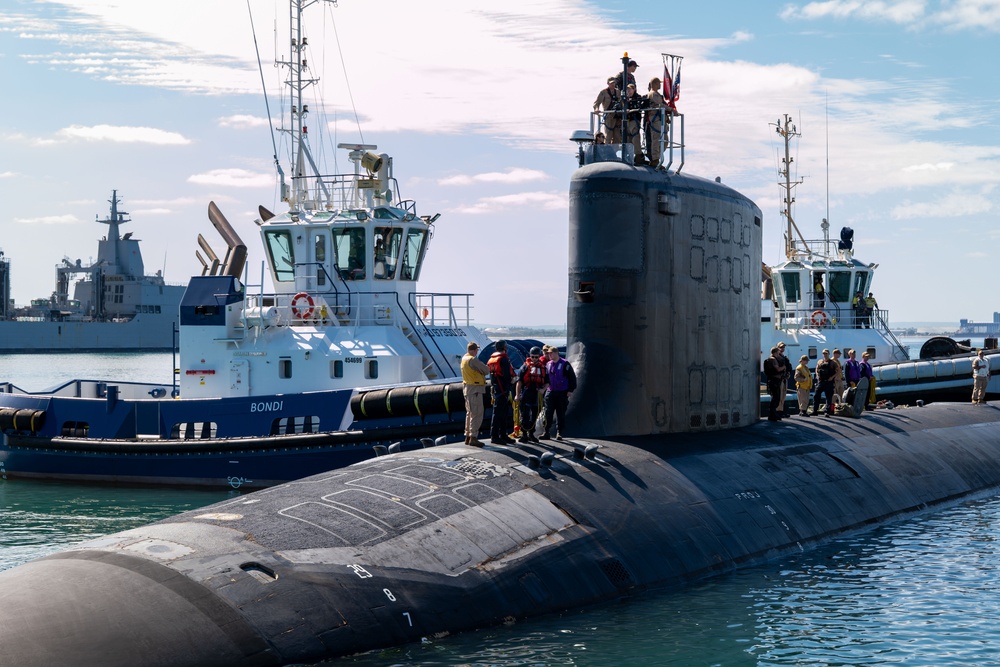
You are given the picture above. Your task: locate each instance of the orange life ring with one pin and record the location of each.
(820, 318)
(426, 313)
(302, 313)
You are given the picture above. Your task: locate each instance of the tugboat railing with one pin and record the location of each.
(338, 192)
(796, 318)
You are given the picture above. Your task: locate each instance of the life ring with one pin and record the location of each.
(820, 318)
(303, 313)
(425, 313)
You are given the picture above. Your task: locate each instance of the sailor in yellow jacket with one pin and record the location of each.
(474, 388)
(803, 385)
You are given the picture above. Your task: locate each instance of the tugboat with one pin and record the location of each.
(344, 359)
(110, 304)
(809, 301)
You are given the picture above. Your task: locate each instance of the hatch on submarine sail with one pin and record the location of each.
(666, 475)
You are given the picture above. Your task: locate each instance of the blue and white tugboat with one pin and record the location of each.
(345, 358)
(808, 300)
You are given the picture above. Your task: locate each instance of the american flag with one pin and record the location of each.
(675, 90)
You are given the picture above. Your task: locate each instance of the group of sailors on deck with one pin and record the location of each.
(645, 117)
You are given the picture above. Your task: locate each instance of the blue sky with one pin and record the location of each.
(476, 101)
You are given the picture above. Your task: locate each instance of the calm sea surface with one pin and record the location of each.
(925, 591)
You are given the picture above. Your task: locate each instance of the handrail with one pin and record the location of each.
(414, 328)
(668, 144)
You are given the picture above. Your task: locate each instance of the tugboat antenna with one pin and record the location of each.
(267, 104)
(787, 130)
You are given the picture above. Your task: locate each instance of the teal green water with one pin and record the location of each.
(39, 518)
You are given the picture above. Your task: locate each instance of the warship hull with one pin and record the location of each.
(144, 333)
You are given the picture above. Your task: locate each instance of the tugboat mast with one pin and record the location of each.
(787, 130)
(303, 166)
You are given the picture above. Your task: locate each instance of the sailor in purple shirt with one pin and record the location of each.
(852, 369)
(562, 382)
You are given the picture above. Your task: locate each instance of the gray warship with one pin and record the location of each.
(110, 304)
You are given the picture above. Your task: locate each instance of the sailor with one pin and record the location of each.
(776, 372)
(657, 117)
(632, 67)
(866, 372)
(871, 305)
(633, 105)
(532, 379)
(607, 101)
(803, 384)
(502, 380)
(839, 384)
(819, 294)
(562, 383)
(824, 384)
(860, 316)
(852, 369)
(980, 377)
(474, 389)
(784, 380)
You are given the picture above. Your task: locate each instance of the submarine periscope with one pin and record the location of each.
(666, 475)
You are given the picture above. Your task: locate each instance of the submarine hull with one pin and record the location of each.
(401, 547)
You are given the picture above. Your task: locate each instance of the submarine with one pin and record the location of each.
(666, 475)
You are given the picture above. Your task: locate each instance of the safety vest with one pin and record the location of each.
(469, 374)
(534, 373)
(497, 370)
(559, 378)
(803, 378)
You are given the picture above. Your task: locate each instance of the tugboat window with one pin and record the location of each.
(860, 283)
(320, 259)
(840, 286)
(387, 243)
(349, 249)
(790, 286)
(284, 368)
(413, 255)
(337, 368)
(279, 247)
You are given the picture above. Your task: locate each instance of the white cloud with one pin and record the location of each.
(143, 212)
(543, 201)
(513, 175)
(940, 166)
(969, 15)
(233, 178)
(949, 14)
(952, 205)
(8, 174)
(68, 219)
(120, 134)
(243, 121)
